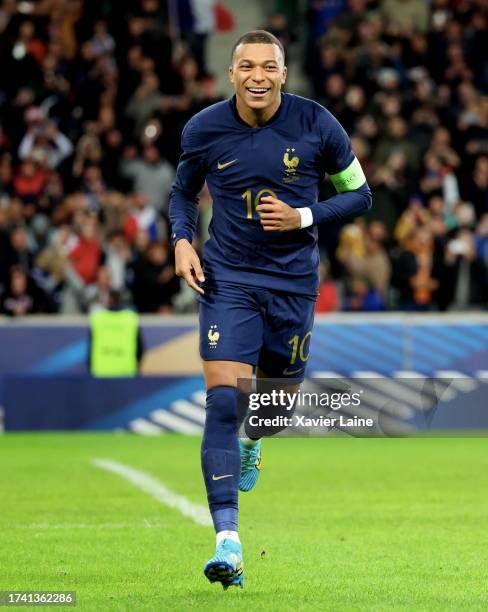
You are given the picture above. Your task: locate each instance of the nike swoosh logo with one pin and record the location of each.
(220, 477)
(286, 371)
(226, 164)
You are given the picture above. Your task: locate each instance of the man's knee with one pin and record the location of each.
(226, 373)
(221, 407)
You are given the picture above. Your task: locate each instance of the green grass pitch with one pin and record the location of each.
(345, 524)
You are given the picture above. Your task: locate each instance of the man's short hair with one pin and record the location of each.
(262, 37)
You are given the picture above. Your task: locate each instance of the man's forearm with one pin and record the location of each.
(183, 214)
(340, 206)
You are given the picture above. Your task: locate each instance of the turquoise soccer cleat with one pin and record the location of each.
(250, 465)
(226, 566)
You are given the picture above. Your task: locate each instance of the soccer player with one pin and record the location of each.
(263, 154)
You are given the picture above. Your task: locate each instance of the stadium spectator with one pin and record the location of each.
(146, 100)
(460, 253)
(362, 296)
(391, 181)
(278, 25)
(28, 186)
(53, 259)
(364, 258)
(6, 174)
(117, 255)
(406, 15)
(418, 271)
(99, 294)
(198, 20)
(22, 296)
(141, 216)
(38, 233)
(45, 144)
(15, 253)
(476, 190)
(155, 281)
(151, 174)
(328, 297)
(481, 263)
(85, 254)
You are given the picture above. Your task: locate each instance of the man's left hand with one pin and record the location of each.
(277, 216)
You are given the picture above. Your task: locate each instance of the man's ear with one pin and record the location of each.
(231, 74)
(285, 72)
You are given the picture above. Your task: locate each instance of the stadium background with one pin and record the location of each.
(93, 100)
(93, 97)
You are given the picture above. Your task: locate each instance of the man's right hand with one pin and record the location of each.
(188, 265)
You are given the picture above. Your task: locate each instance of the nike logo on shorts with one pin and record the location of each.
(289, 372)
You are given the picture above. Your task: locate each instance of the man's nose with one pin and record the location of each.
(258, 74)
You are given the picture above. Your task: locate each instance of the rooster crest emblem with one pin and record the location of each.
(290, 163)
(213, 336)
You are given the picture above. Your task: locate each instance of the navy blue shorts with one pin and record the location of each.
(263, 327)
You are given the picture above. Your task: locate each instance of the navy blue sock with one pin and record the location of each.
(221, 462)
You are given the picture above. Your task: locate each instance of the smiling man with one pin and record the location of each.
(263, 154)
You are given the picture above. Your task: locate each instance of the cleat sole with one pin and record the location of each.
(224, 573)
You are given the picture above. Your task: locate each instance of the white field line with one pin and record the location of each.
(159, 491)
(145, 524)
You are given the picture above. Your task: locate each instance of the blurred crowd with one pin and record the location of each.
(408, 80)
(93, 98)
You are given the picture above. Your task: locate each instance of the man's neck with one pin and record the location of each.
(257, 117)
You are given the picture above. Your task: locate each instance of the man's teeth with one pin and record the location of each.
(258, 89)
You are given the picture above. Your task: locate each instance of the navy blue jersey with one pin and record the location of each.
(286, 158)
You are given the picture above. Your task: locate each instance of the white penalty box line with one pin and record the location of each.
(158, 490)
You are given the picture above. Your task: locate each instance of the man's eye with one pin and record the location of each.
(245, 67)
(272, 68)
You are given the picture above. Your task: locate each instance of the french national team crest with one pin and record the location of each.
(213, 336)
(291, 164)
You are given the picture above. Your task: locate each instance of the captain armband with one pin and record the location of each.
(350, 178)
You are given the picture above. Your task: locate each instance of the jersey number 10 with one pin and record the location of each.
(247, 197)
